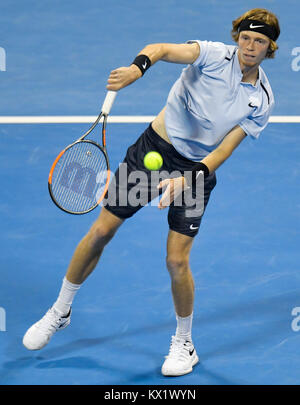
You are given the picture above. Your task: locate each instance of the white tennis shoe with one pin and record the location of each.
(181, 358)
(39, 334)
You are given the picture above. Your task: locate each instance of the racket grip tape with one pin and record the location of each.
(108, 102)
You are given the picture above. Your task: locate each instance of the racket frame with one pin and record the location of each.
(103, 150)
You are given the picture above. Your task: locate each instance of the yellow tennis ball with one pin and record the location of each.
(153, 161)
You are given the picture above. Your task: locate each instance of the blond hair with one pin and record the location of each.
(259, 14)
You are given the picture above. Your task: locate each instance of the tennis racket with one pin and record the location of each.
(80, 175)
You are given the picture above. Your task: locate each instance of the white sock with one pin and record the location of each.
(66, 296)
(184, 327)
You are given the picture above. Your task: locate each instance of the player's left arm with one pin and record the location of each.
(225, 149)
(212, 161)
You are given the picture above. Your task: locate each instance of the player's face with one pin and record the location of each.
(253, 47)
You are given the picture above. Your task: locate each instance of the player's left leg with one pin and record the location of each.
(178, 253)
(182, 355)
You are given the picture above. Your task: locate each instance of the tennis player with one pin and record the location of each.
(221, 97)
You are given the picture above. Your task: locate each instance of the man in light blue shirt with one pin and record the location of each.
(210, 98)
(222, 96)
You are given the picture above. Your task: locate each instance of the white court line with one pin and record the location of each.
(117, 119)
(74, 119)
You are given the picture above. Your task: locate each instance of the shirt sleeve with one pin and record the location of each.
(254, 124)
(211, 53)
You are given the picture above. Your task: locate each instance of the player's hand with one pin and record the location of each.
(122, 77)
(174, 187)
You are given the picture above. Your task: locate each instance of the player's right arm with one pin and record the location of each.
(173, 53)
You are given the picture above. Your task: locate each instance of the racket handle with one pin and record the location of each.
(108, 102)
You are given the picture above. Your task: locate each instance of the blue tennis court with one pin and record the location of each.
(245, 260)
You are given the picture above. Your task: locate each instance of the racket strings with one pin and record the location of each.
(79, 177)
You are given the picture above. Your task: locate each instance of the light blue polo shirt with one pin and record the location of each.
(209, 99)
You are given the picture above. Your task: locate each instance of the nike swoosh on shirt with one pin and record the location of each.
(191, 352)
(192, 227)
(255, 26)
(251, 105)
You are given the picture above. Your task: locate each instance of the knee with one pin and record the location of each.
(177, 265)
(100, 235)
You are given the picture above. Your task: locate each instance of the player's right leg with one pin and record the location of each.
(83, 262)
(90, 248)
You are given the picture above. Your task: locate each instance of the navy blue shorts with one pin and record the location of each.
(124, 186)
